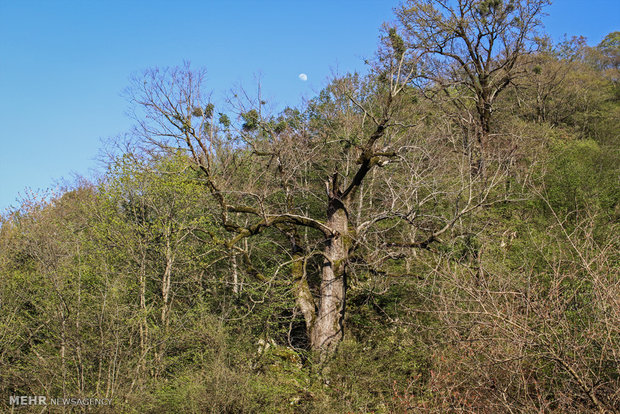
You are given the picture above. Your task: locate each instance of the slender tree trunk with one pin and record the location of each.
(165, 307)
(144, 328)
(484, 128)
(63, 359)
(235, 273)
(78, 350)
(165, 285)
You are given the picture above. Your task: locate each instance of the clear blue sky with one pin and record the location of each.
(64, 64)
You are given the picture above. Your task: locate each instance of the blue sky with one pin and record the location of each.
(64, 64)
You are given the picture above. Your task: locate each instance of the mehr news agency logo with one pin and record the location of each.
(43, 400)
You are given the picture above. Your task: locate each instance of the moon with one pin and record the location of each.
(303, 77)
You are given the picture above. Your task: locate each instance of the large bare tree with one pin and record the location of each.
(305, 176)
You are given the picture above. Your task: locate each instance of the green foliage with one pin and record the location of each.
(486, 7)
(250, 120)
(224, 120)
(398, 44)
(128, 287)
(574, 177)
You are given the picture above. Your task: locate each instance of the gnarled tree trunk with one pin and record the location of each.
(329, 323)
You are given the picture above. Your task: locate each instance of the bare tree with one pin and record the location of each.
(472, 50)
(302, 175)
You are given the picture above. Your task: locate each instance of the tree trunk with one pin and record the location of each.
(144, 327)
(484, 117)
(304, 299)
(235, 272)
(165, 286)
(328, 327)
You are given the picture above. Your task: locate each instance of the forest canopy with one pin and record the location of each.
(438, 234)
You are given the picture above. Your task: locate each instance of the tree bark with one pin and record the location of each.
(484, 129)
(303, 295)
(329, 324)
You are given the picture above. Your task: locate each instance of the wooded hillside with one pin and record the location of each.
(440, 234)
